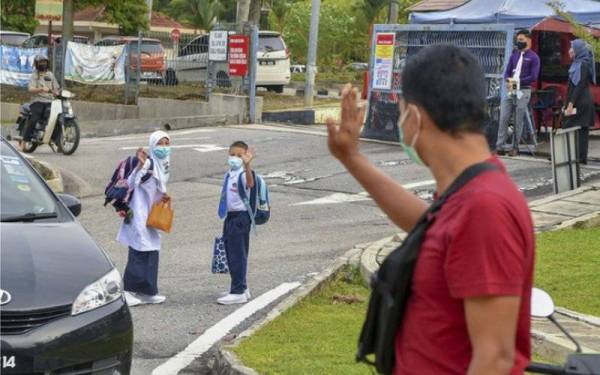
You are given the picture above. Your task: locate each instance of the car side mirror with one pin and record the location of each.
(542, 305)
(72, 203)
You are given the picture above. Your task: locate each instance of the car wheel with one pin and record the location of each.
(171, 77)
(278, 88)
(223, 79)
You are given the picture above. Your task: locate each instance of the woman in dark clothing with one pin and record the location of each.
(580, 108)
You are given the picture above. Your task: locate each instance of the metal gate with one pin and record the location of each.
(491, 44)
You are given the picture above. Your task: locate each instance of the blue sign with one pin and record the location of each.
(16, 65)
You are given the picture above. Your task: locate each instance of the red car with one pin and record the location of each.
(153, 64)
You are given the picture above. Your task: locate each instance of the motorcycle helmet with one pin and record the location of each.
(38, 59)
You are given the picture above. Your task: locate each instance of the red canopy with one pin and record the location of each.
(560, 26)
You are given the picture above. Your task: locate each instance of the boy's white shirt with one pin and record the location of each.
(234, 202)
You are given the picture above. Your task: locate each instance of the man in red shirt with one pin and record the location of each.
(469, 307)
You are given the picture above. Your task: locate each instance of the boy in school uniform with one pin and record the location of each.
(236, 230)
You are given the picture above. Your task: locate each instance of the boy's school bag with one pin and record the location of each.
(118, 191)
(258, 204)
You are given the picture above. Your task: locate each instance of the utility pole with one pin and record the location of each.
(311, 65)
(393, 12)
(149, 5)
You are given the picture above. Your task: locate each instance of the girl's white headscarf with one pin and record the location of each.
(161, 166)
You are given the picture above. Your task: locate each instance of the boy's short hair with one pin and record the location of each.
(240, 144)
(449, 83)
(525, 33)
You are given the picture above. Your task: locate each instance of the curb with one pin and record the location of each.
(227, 362)
(51, 175)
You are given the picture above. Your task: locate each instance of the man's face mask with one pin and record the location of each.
(410, 150)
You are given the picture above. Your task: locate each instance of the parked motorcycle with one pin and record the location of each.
(58, 127)
(577, 363)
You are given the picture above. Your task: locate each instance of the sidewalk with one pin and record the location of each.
(552, 213)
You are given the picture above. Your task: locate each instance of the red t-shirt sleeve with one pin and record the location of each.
(487, 251)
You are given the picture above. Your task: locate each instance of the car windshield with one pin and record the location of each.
(12, 39)
(146, 47)
(22, 194)
(270, 43)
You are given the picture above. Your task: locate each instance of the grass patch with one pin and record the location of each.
(317, 336)
(567, 267)
(276, 102)
(333, 77)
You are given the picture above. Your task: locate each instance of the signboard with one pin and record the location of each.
(565, 164)
(49, 10)
(175, 35)
(384, 61)
(238, 55)
(17, 64)
(217, 46)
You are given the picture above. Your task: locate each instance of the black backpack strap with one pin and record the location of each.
(464, 178)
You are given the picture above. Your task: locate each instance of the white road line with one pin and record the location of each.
(209, 148)
(200, 145)
(337, 198)
(215, 333)
(418, 184)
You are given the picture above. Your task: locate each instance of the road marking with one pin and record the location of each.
(337, 198)
(208, 147)
(215, 333)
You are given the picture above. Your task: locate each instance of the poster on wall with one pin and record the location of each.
(95, 64)
(17, 64)
(383, 66)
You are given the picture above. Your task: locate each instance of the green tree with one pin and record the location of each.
(279, 12)
(337, 37)
(130, 15)
(578, 30)
(18, 15)
(201, 14)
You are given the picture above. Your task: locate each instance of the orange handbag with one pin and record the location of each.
(161, 217)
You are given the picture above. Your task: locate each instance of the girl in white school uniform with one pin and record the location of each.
(141, 273)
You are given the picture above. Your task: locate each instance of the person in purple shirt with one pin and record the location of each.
(521, 72)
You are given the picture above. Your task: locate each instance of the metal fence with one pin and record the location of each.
(162, 66)
(491, 44)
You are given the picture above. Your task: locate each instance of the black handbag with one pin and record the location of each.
(392, 283)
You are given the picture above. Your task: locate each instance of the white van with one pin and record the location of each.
(273, 70)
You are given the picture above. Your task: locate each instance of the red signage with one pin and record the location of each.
(238, 55)
(386, 39)
(175, 35)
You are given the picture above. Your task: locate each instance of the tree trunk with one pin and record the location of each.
(254, 16)
(243, 11)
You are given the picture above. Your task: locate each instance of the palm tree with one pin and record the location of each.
(201, 14)
(280, 10)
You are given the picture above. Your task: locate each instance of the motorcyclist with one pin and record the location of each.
(44, 87)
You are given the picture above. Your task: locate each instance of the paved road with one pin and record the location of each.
(318, 213)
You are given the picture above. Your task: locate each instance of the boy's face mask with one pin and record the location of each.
(235, 163)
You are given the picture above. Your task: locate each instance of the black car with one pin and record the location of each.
(62, 309)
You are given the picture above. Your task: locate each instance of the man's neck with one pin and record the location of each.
(453, 157)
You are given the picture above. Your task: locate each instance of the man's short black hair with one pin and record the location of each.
(449, 83)
(240, 144)
(524, 32)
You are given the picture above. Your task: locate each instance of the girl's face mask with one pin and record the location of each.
(162, 152)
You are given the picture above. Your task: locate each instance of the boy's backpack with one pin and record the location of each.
(118, 191)
(258, 205)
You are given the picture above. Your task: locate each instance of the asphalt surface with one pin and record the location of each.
(306, 232)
